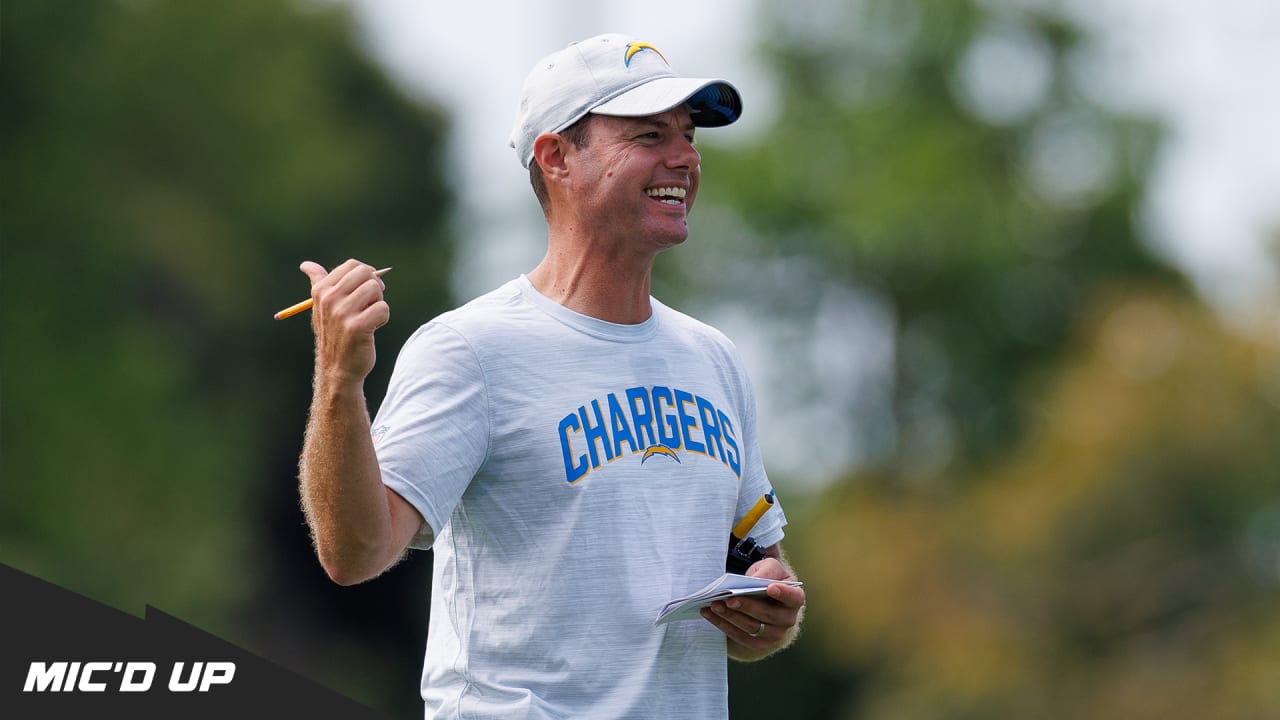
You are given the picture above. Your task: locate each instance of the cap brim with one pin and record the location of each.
(713, 103)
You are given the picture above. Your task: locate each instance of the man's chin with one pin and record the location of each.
(670, 239)
(671, 232)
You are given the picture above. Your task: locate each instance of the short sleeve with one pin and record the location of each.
(431, 433)
(755, 481)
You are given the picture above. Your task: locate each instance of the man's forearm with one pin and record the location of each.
(343, 496)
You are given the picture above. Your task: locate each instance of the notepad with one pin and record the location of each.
(722, 588)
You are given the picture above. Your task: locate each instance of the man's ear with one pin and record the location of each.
(549, 150)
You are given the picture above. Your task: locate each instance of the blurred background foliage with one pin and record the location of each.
(167, 165)
(1067, 505)
(1059, 495)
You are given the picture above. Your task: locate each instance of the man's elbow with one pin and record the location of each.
(345, 576)
(349, 569)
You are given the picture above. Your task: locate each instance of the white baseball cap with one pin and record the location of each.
(612, 75)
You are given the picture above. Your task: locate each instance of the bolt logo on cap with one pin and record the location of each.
(635, 47)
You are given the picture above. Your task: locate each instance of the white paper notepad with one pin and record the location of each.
(722, 588)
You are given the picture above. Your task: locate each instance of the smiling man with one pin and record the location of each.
(575, 451)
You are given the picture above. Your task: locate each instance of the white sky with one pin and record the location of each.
(1208, 68)
(1211, 69)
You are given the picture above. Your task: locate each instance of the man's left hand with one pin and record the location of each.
(760, 625)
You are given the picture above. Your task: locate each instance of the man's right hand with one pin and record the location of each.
(359, 525)
(348, 308)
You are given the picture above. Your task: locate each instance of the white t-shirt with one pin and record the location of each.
(576, 475)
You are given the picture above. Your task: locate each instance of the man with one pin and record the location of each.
(576, 451)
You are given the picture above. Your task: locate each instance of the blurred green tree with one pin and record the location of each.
(166, 167)
(942, 157)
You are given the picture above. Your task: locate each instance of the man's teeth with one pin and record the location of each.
(671, 195)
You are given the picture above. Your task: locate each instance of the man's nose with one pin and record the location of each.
(683, 155)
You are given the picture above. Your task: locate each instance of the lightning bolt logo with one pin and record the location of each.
(631, 50)
(659, 450)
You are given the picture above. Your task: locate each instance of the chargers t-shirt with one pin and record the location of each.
(576, 475)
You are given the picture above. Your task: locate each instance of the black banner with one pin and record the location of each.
(63, 655)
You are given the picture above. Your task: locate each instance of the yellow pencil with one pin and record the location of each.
(305, 305)
(749, 520)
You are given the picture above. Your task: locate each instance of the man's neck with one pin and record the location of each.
(595, 282)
